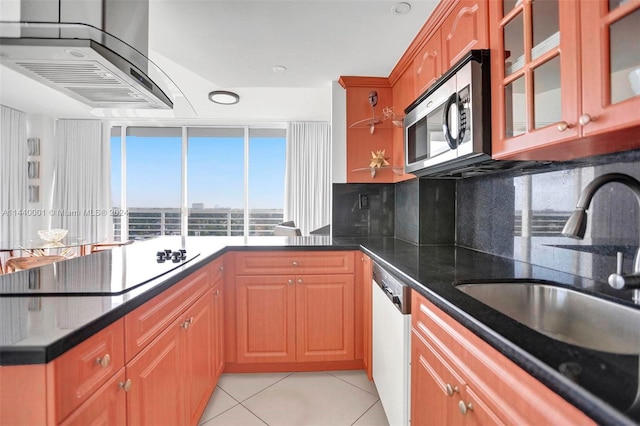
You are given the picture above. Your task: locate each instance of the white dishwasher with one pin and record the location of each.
(391, 345)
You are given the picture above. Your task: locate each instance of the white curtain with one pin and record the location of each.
(82, 180)
(307, 195)
(13, 174)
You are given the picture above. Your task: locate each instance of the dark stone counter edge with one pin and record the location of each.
(598, 410)
(593, 407)
(24, 355)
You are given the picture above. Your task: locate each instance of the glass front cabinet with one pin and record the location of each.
(562, 71)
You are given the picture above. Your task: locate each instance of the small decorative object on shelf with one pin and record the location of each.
(34, 193)
(377, 161)
(388, 114)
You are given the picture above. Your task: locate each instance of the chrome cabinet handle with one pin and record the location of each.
(289, 281)
(126, 386)
(465, 408)
(221, 268)
(451, 389)
(104, 361)
(294, 263)
(300, 281)
(216, 292)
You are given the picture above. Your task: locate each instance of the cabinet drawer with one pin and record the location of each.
(148, 321)
(291, 262)
(80, 372)
(107, 406)
(507, 390)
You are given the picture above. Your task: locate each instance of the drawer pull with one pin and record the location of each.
(187, 323)
(104, 361)
(585, 119)
(126, 386)
(300, 281)
(220, 268)
(294, 263)
(216, 292)
(465, 408)
(289, 281)
(451, 389)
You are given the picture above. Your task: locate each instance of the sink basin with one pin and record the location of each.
(564, 314)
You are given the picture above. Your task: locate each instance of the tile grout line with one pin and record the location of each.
(222, 412)
(357, 387)
(262, 390)
(366, 411)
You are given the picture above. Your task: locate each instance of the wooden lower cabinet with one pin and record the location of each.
(458, 379)
(107, 406)
(295, 318)
(218, 329)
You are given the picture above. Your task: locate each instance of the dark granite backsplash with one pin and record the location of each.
(363, 209)
(509, 214)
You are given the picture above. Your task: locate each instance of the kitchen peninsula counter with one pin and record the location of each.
(37, 328)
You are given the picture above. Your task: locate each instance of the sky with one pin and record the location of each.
(215, 172)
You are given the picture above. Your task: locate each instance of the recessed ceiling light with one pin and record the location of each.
(401, 8)
(224, 97)
(279, 69)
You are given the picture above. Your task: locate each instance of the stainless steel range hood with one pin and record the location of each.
(92, 50)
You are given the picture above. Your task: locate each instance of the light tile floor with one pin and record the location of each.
(331, 398)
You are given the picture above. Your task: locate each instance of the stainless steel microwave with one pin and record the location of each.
(448, 128)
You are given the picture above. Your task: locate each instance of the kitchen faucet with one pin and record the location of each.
(577, 225)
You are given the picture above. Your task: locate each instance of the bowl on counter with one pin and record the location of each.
(52, 235)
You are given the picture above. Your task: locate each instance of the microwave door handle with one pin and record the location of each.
(446, 126)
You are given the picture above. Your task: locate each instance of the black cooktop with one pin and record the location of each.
(107, 273)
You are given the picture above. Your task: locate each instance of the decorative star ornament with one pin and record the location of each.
(378, 160)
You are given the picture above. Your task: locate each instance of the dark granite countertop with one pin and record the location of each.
(36, 329)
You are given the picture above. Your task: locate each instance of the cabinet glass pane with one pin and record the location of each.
(509, 5)
(514, 45)
(625, 57)
(515, 101)
(616, 3)
(547, 102)
(546, 35)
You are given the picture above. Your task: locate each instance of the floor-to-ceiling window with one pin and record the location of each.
(197, 180)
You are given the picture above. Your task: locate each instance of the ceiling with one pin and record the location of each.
(205, 45)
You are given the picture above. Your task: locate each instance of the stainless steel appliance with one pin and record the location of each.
(449, 126)
(91, 50)
(391, 345)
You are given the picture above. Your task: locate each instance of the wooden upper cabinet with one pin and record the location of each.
(427, 65)
(466, 28)
(562, 78)
(611, 63)
(534, 75)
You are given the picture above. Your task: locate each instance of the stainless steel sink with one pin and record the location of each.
(564, 314)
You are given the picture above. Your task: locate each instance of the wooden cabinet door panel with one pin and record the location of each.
(107, 406)
(157, 388)
(80, 372)
(321, 262)
(325, 317)
(466, 28)
(430, 379)
(265, 318)
(148, 321)
(477, 411)
(367, 312)
(428, 63)
(199, 355)
(597, 102)
(508, 391)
